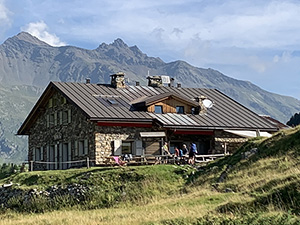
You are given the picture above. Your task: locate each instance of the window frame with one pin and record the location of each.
(180, 109)
(160, 111)
(124, 143)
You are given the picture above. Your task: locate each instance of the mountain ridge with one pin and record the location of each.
(27, 61)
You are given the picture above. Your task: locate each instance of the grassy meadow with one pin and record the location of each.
(262, 188)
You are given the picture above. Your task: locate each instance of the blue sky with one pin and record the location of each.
(257, 41)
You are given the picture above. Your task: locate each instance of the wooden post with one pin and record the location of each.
(87, 162)
(31, 165)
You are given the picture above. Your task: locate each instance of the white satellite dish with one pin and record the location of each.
(207, 103)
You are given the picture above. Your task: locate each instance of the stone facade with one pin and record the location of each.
(106, 137)
(57, 134)
(62, 137)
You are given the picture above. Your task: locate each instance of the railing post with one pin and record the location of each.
(87, 162)
(31, 165)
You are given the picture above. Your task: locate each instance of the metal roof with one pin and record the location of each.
(103, 102)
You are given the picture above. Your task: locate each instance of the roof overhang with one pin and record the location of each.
(118, 123)
(249, 133)
(194, 132)
(152, 134)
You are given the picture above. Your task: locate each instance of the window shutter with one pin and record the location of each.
(69, 154)
(60, 117)
(55, 119)
(48, 157)
(42, 153)
(60, 154)
(117, 147)
(69, 116)
(33, 154)
(86, 146)
(139, 147)
(55, 156)
(76, 148)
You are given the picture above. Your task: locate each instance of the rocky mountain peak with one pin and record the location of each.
(119, 43)
(26, 37)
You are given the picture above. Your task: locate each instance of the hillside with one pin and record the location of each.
(25, 61)
(15, 102)
(259, 184)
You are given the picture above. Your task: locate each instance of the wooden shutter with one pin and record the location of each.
(55, 118)
(42, 153)
(86, 146)
(69, 116)
(117, 147)
(69, 154)
(60, 154)
(139, 147)
(60, 117)
(55, 156)
(48, 157)
(76, 148)
(33, 154)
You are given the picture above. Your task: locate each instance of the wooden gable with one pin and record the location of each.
(169, 105)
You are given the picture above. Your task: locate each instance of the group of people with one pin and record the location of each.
(182, 153)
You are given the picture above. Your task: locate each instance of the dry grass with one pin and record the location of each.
(196, 204)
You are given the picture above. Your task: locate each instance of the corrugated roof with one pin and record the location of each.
(92, 99)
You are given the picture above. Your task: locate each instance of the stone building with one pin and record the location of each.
(73, 122)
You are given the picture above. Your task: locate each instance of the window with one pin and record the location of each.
(50, 103)
(66, 116)
(126, 147)
(158, 109)
(37, 154)
(51, 120)
(81, 147)
(180, 109)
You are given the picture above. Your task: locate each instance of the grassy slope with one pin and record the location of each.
(266, 190)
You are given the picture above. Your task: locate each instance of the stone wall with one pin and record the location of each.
(60, 123)
(105, 136)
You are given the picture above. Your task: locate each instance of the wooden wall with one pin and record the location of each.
(169, 106)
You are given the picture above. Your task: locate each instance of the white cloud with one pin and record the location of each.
(5, 14)
(40, 30)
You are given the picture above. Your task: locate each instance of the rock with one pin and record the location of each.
(7, 185)
(248, 154)
(229, 190)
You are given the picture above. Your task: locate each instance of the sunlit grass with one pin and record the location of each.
(196, 204)
(262, 189)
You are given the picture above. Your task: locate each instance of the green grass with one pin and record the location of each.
(264, 189)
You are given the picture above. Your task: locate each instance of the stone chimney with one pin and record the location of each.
(118, 80)
(202, 109)
(154, 81)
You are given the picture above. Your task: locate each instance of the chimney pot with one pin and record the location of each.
(118, 80)
(137, 83)
(87, 80)
(179, 85)
(154, 81)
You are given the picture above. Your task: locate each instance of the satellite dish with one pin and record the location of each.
(207, 103)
